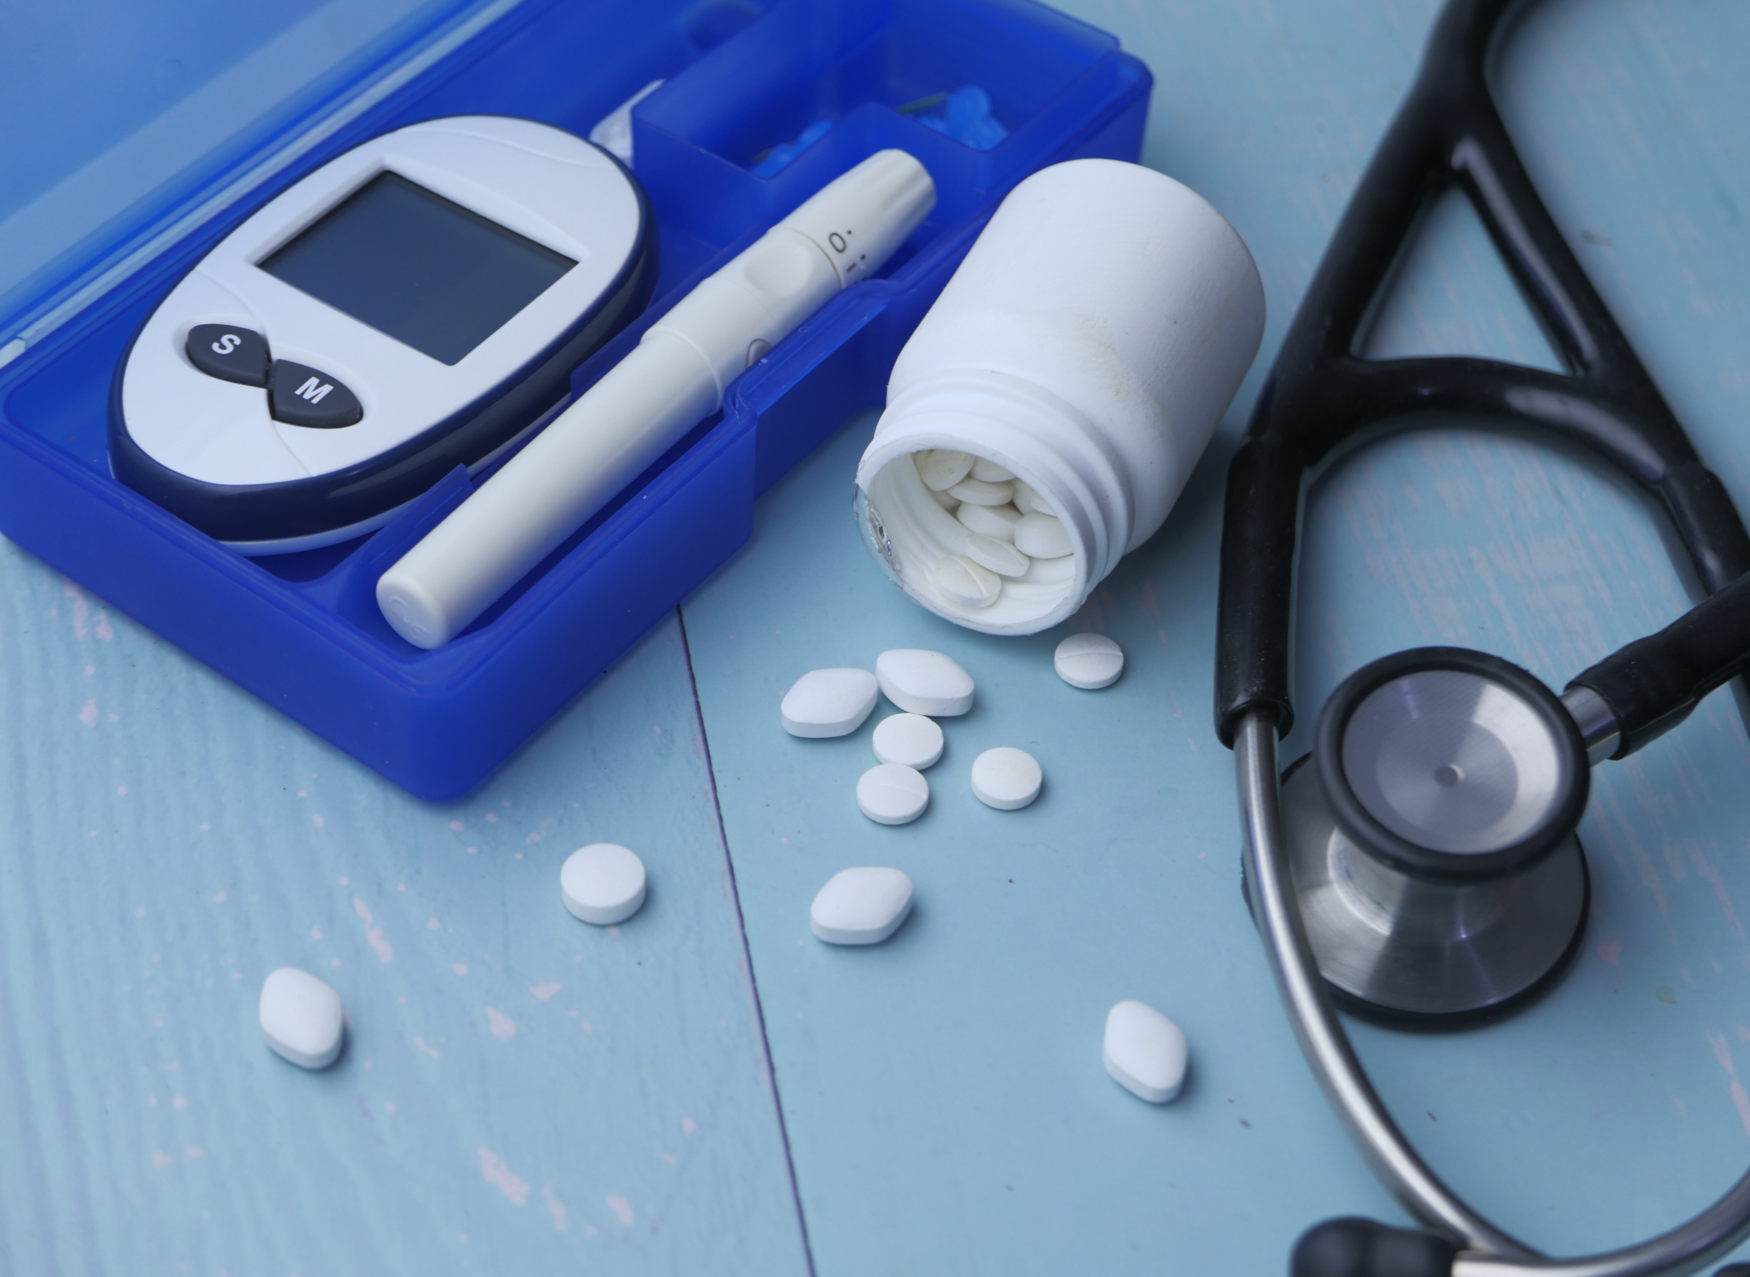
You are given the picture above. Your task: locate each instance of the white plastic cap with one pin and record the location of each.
(860, 218)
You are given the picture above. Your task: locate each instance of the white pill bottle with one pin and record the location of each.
(1088, 346)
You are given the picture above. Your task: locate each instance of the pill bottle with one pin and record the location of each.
(1087, 346)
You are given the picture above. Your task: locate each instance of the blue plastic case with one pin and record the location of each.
(303, 631)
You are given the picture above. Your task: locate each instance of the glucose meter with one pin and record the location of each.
(413, 305)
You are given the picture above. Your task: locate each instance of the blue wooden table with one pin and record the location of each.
(706, 1088)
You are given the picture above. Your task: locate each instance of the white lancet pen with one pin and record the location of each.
(673, 379)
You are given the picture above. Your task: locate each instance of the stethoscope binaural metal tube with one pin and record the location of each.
(1315, 1022)
(1483, 1249)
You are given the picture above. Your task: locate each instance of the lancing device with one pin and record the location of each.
(673, 379)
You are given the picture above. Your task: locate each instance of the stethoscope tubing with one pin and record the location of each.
(1320, 395)
(1486, 1251)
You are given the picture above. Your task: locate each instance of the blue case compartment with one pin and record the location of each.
(303, 631)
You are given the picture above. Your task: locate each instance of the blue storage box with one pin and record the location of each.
(302, 631)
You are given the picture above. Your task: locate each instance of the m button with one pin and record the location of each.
(302, 396)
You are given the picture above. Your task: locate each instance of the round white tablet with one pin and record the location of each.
(995, 521)
(1144, 1052)
(828, 703)
(893, 794)
(602, 883)
(1089, 661)
(978, 492)
(942, 468)
(301, 1018)
(910, 740)
(999, 556)
(948, 503)
(861, 906)
(990, 471)
(924, 682)
(1006, 778)
(1042, 537)
(1028, 501)
(964, 582)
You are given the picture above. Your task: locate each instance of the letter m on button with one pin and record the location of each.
(313, 390)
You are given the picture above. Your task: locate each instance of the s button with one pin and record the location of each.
(228, 353)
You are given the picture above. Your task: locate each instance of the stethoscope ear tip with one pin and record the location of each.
(1353, 1247)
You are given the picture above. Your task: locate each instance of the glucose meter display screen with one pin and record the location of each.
(418, 267)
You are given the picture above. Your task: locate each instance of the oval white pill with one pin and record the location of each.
(924, 682)
(602, 883)
(942, 468)
(1006, 778)
(948, 503)
(908, 739)
(978, 492)
(1088, 661)
(828, 703)
(1028, 501)
(301, 1018)
(965, 582)
(1144, 1052)
(861, 906)
(1042, 537)
(999, 556)
(996, 521)
(989, 471)
(893, 794)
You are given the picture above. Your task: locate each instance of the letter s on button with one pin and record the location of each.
(226, 344)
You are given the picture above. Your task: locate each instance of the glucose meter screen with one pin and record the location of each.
(418, 267)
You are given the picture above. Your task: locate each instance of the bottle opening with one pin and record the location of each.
(974, 538)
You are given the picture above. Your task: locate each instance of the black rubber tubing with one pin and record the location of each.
(1652, 684)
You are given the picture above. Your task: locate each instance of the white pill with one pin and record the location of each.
(924, 682)
(602, 883)
(998, 521)
(942, 468)
(301, 1018)
(999, 556)
(964, 582)
(1028, 501)
(828, 702)
(1144, 1051)
(1042, 537)
(908, 739)
(948, 503)
(893, 794)
(990, 471)
(978, 492)
(861, 906)
(1005, 778)
(1089, 661)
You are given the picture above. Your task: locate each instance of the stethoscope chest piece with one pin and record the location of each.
(1431, 837)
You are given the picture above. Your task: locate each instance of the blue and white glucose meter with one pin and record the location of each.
(413, 305)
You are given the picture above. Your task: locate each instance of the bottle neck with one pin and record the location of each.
(1047, 443)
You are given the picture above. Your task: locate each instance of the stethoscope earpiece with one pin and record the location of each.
(1353, 1247)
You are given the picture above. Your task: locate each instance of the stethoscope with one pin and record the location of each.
(1421, 865)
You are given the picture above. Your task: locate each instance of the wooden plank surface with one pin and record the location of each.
(519, 1092)
(568, 1100)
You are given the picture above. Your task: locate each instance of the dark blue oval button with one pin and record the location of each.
(302, 396)
(228, 353)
